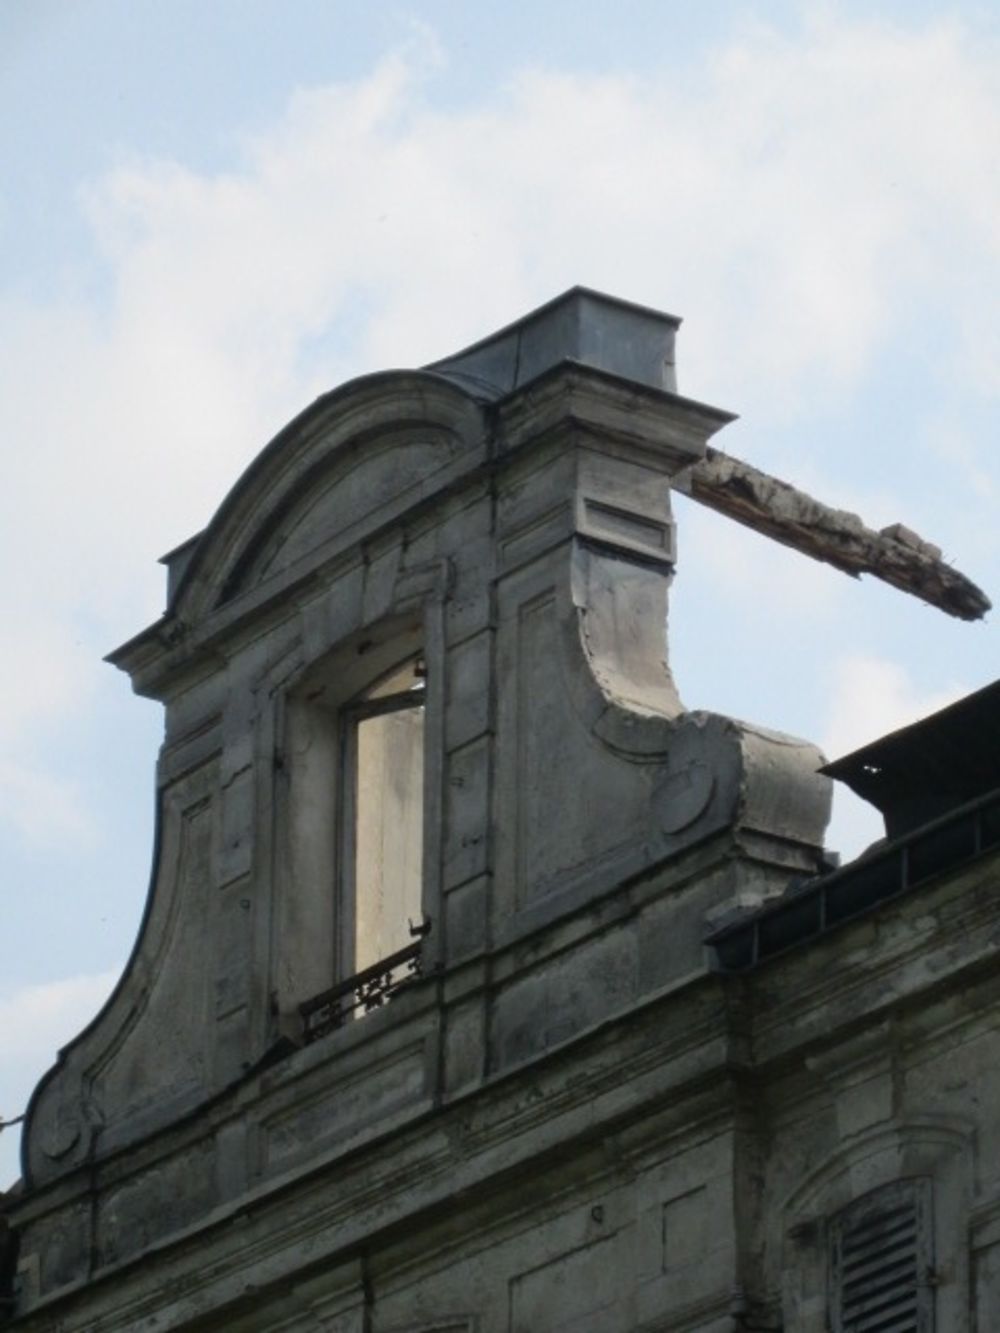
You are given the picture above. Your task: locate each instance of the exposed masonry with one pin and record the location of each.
(548, 1110)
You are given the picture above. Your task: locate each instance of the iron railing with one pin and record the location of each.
(368, 989)
(820, 904)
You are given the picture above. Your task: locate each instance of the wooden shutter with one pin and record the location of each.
(882, 1262)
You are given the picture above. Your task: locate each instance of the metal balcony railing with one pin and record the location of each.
(811, 909)
(366, 990)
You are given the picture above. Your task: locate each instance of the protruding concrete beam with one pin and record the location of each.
(896, 554)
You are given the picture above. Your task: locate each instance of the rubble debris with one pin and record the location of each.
(839, 538)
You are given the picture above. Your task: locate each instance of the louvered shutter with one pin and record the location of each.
(882, 1262)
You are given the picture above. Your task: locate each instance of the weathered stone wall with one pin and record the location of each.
(676, 1167)
(569, 1120)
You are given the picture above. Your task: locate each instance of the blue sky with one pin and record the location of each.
(211, 213)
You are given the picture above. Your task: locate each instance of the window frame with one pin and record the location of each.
(327, 706)
(360, 709)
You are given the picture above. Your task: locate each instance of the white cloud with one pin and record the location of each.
(872, 697)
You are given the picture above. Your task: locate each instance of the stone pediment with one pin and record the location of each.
(350, 464)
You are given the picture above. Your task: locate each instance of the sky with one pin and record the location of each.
(211, 213)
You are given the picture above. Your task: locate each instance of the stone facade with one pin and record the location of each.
(553, 1105)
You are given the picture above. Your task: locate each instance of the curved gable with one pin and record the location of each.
(357, 459)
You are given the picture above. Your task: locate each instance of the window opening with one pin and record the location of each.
(882, 1262)
(385, 815)
(379, 882)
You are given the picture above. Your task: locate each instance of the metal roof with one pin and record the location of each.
(934, 765)
(937, 783)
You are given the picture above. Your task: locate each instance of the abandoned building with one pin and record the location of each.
(482, 988)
